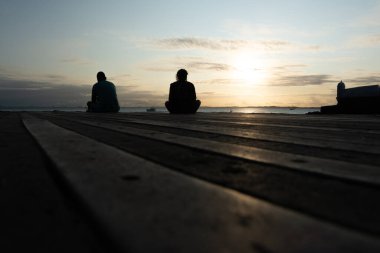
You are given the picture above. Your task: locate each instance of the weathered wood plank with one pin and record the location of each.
(146, 207)
(339, 169)
(353, 122)
(293, 131)
(322, 129)
(303, 140)
(298, 132)
(35, 214)
(356, 135)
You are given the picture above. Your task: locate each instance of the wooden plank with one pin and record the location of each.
(339, 169)
(251, 134)
(146, 207)
(358, 136)
(334, 130)
(244, 122)
(353, 122)
(297, 132)
(338, 118)
(35, 215)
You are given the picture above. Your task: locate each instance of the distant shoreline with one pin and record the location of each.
(205, 109)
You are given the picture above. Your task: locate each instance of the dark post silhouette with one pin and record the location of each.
(103, 98)
(182, 96)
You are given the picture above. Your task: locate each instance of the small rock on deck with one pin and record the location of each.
(219, 182)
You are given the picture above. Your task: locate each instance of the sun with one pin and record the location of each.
(248, 68)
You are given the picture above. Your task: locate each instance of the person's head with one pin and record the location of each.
(101, 76)
(182, 75)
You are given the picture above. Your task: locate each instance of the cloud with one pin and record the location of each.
(313, 48)
(222, 81)
(207, 93)
(290, 66)
(193, 43)
(135, 98)
(365, 41)
(199, 43)
(158, 68)
(7, 83)
(372, 79)
(273, 45)
(302, 80)
(198, 65)
(280, 78)
(14, 92)
(190, 63)
(184, 43)
(34, 93)
(17, 76)
(53, 78)
(373, 40)
(77, 61)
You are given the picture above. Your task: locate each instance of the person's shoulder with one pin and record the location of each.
(174, 84)
(109, 85)
(106, 83)
(189, 83)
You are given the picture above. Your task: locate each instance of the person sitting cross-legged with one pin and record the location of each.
(103, 98)
(182, 96)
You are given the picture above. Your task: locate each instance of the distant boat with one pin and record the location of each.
(151, 109)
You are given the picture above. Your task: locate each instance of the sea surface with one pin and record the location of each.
(283, 110)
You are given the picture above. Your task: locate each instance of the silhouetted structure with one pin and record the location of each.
(182, 96)
(103, 98)
(359, 100)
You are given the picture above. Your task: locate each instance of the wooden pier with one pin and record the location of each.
(213, 182)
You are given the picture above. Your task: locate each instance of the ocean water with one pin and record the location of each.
(283, 110)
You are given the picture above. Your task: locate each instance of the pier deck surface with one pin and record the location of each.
(217, 182)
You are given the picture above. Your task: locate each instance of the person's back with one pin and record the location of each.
(182, 92)
(182, 96)
(104, 98)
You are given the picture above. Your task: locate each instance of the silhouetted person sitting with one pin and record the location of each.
(182, 97)
(104, 98)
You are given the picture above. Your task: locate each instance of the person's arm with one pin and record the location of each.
(193, 94)
(171, 93)
(93, 94)
(115, 95)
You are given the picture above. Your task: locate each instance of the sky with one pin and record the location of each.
(237, 53)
